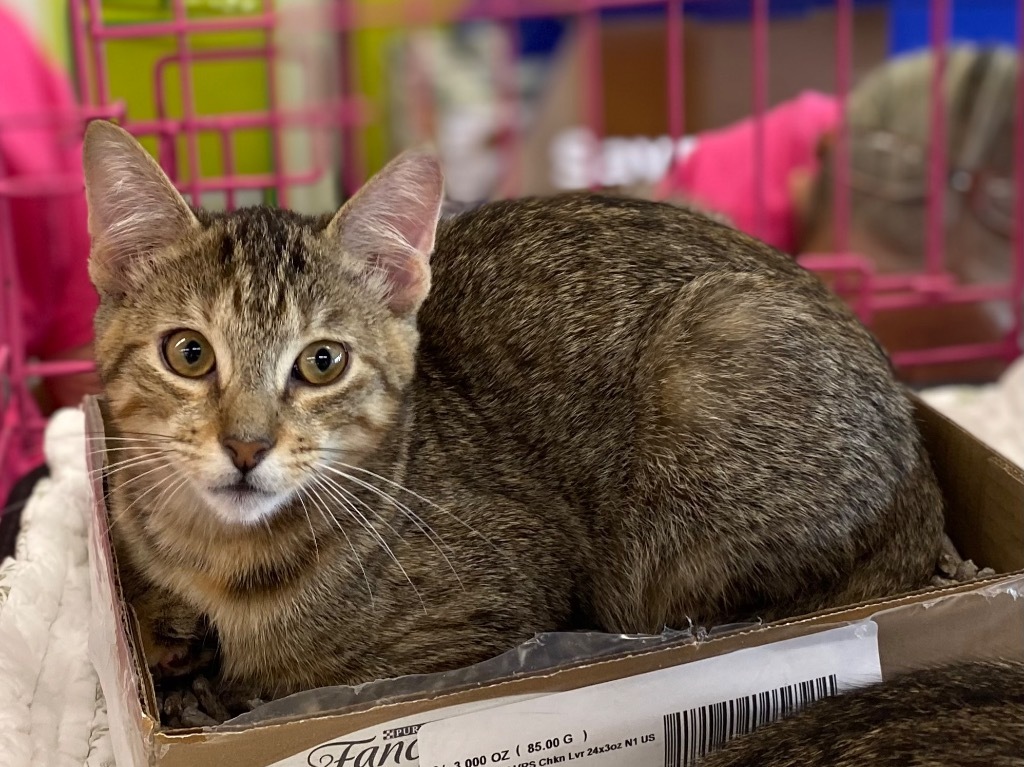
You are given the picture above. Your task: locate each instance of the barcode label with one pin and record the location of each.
(696, 732)
(667, 717)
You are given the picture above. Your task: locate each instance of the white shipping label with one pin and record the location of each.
(666, 718)
(392, 744)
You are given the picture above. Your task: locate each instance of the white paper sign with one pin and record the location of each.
(664, 718)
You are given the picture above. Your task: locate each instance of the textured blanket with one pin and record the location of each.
(51, 708)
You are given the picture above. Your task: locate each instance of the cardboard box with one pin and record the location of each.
(984, 619)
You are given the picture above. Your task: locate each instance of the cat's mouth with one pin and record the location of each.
(240, 489)
(243, 503)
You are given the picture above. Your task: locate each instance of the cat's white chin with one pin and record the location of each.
(245, 508)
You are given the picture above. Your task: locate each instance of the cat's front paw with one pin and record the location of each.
(168, 657)
(176, 641)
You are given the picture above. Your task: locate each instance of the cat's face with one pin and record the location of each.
(256, 352)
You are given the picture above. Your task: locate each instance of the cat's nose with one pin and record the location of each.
(246, 454)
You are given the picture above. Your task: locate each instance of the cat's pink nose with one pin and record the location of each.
(246, 455)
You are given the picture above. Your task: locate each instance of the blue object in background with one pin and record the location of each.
(741, 10)
(540, 36)
(980, 21)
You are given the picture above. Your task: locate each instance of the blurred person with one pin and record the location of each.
(47, 233)
(889, 125)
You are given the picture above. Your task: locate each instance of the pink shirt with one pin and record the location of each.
(718, 174)
(49, 230)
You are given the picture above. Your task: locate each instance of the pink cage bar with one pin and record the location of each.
(344, 113)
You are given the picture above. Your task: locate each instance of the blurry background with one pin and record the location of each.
(423, 73)
(296, 102)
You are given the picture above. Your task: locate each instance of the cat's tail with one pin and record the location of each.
(970, 713)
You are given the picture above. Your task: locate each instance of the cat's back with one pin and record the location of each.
(564, 246)
(971, 714)
(553, 319)
(541, 309)
(627, 353)
(570, 287)
(546, 275)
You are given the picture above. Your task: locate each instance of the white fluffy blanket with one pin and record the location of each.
(51, 708)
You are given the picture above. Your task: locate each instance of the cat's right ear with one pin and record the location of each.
(388, 227)
(134, 209)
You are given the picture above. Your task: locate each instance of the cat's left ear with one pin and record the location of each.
(389, 227)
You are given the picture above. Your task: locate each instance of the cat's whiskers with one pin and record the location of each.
(165, 462)
(115, 452)
(123, 513)
(415, 518)
(143, 475)
(163, 498)
(309, 521)
(118, 441)
(332, 487)
(130, 480)
(130, 463)
(174, 493)
(123, 443)
(152, 447)
(131, 433)
(115, 449)
(427, 501)
(116, 438)
(325, 513)
(352, 497)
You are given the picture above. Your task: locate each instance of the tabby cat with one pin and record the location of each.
(369, 444)
(964, 715)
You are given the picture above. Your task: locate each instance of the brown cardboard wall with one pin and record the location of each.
(984, 494)
(974, 626)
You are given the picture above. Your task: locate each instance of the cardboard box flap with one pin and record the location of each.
(981, 624)
(109, 647)
(984, 493)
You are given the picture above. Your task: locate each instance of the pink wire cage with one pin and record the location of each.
(335, 119)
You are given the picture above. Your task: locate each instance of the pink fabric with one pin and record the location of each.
(719, 173)
(50, 234)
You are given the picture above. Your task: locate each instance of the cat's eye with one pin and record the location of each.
(321, 363)
(188, 353)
